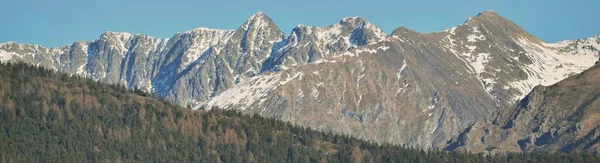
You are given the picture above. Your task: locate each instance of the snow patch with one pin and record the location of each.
(324, 60)
(475, 38)
(315, 92)
(451, 41)
(290, 78)
(6, 56)
(551, 63)
(452, 30)
(300, 93)
(243, 95)
(384, 48)
(363, 50)
(401, 90)
(480, 62)
(81, 70)
(475, 35)
(401, 69)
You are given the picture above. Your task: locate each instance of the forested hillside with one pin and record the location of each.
(51, 117)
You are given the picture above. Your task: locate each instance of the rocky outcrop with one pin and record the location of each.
(561, 117)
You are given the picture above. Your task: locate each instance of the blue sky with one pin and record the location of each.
(61, 22)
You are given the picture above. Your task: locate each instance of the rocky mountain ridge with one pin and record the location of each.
(198, 64)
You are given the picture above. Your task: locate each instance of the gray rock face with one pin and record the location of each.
(371, 92)
(562, 117)
(350, 77)
(193, 66)
(307, 44)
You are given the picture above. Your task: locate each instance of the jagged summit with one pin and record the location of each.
(352, 18)
(259, 20)
(116, 34)
(258, 14)
(360, 22)
(353, 21)
(488, 12)
(8, 42)
(208, 29)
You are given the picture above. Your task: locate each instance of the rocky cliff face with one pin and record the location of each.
(193, 66)
(350, 77)
(561, 117)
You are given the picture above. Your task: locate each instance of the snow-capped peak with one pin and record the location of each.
(258, 14)
(7, 43)
(353, 18)
(204, 29)
(119, 35)
(258, 20)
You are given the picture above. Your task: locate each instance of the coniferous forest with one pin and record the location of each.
(52, 117)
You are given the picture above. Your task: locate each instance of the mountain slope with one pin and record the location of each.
(372, 96)
(50, 117)
(509, 62)
(412, 88)
(560, 117)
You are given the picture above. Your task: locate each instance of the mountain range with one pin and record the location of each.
(48, 116)
(409, 88)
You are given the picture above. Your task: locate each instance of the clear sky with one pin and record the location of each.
(61, 22)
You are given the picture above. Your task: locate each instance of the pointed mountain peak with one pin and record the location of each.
(487, 16)
(259, 20)
(259, 16)
(488, 13)
(118, 35)
(353, 19)
(8, 43)
(361, 23)
(260, 13)
(495, 23)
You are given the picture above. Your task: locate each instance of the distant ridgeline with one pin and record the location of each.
(51, 117)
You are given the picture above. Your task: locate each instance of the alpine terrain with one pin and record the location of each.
(561, 117)
(55, 117)
(409, 88)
